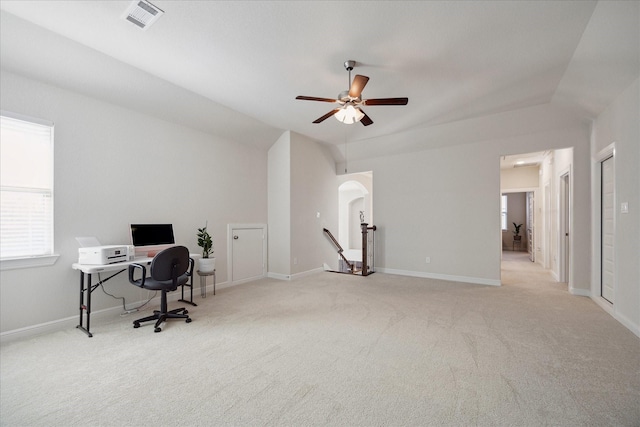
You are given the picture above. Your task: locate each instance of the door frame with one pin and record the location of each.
(596, 283)
(230, 231)
(524, 190)
(564, 226)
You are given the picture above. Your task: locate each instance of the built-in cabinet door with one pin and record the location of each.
(248, 249)
(607, 228)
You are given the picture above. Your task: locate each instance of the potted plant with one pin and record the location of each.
(207, 263)
(516, 231)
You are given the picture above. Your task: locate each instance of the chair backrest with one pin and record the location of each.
(174, 259)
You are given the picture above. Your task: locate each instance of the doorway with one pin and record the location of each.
(549, 207)
(355, 205)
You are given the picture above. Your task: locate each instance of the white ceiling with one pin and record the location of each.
(465, 66)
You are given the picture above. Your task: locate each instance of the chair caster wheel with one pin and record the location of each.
(185, 312)
(157, 330)
(188, 320)
(136, 325)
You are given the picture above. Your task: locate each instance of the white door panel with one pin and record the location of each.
(607, 227)
(248, 253)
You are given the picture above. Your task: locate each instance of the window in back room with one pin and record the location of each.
(26, 188)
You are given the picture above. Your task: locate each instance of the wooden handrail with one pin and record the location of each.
(340, 250)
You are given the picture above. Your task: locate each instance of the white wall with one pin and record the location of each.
(619, 123)
(303, 199)
(114, 166)
(313, 192)
(444, 203)
(522, 179)
(279, 202)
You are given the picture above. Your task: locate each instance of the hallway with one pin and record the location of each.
(518, 270)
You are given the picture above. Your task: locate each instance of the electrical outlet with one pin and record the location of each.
(428, 260)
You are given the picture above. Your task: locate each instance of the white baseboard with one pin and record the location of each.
(296, 275)
(279, 276)
(96, 316)
(580, 292)
(58, 325)
(464, 279)
(307, 273)
(610, 308)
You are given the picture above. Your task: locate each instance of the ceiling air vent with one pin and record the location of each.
(142, 13)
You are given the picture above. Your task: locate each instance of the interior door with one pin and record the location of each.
(248, 250)
(607, 200)
(565, 188)
(530, 226)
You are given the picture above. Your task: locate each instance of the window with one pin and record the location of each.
(503, 212)
(26, 191)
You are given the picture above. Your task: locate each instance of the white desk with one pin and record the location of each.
(87, 270)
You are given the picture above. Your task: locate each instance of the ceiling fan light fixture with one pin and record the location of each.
(349, 114)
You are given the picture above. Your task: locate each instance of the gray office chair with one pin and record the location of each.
(169, 269)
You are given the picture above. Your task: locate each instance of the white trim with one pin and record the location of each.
(26, 118)
(562, 268)
(28, 262)
(596, 217)
(520, 190)
(307, 273)
(464, 279)
(70, 323)
(610, 309)
(580, 292)
(295, 276)
(278, 276)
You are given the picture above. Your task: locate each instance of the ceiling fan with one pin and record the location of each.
(350, 101)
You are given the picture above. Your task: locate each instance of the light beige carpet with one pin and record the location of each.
(337, 350)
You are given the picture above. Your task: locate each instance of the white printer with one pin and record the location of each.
(100, 255)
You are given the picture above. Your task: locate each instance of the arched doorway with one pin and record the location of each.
(354, 199)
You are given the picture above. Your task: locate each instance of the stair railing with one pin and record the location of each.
(340, 250)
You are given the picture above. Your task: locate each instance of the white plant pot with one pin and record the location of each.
(206, 265)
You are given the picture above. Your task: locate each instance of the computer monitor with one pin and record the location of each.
(149, 239)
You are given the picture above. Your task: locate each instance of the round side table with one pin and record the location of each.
(203, 282)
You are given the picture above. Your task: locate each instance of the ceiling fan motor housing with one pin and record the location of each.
(344, 97)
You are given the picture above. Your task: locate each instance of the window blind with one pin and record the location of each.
(26, 187)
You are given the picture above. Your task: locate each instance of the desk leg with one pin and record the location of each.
(83, 307)
(191, 290)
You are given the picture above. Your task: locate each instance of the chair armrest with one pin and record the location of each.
(132, 269)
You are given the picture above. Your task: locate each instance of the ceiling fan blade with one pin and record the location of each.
(386, 101)
(365, 120)
(359, 82)
(326, 116)
(313, 98)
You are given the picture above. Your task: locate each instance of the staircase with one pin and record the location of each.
(365, 267)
